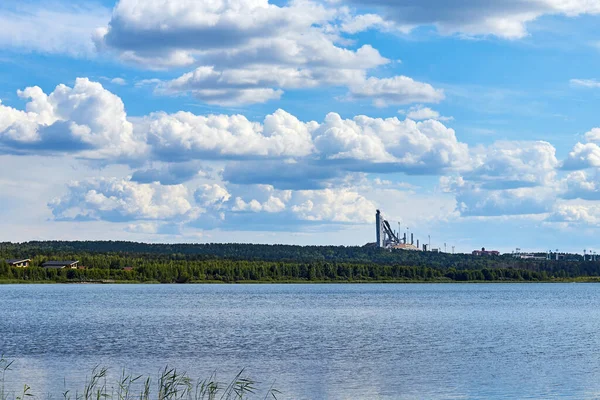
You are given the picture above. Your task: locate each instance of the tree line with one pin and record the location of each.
(261, 271)
(107, 261)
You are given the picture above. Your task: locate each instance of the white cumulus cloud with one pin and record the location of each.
(408, 145)
(85, 118)
(120, 200)
(513, 164)
(396, 90)
(184, 135)
(506, 178)
(585, 155)
(212, 195)
(582, 185)
(251, 51)
(576, 214)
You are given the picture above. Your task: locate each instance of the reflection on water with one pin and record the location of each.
(314, 341)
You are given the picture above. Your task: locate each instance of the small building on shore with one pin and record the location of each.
(19, 262)
(61, 264)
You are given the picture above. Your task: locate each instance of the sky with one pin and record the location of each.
(475, 123)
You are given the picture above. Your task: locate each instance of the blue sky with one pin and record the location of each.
(291, 122)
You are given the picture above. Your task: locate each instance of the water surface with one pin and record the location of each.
(383, 341)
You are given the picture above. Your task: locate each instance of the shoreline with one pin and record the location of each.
(295, 282)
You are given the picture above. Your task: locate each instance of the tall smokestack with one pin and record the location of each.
(417, 243)
(412, 238)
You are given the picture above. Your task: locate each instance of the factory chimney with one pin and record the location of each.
(412, 238)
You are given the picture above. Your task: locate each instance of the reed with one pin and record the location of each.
(169, 385)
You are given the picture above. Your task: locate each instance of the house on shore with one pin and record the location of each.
(61, 264)
(19, 262)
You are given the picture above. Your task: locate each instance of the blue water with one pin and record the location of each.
(445, 341)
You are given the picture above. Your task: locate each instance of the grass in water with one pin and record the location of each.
(170, 385)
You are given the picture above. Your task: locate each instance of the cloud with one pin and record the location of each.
(154, 207)
(189, 31)
(409, 146)
(256, 84)
(120, 200)
(582, 185)
(513, 164)
(60, 29)
(506, 178)
(189, 24)
(119, 81)
(336, 205)
(304, 174)
(420, 113)
(413, 207)
(271, 205)
(473, 17)
(265, 208)
(593, 135)
(583, 155)
(360, 23)
(207, 78)
(85, 118)
(212, 195)
(586, 83)
(415, 147)
(143, 227)
(87, 121)
(185, 136)
(472, 200)
(262, 83)
(168, 174)
(396, 90)
(251, 52)
(572, 214)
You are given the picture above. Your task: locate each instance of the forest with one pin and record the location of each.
(111, 261)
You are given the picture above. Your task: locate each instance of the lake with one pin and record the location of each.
(322, 341)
